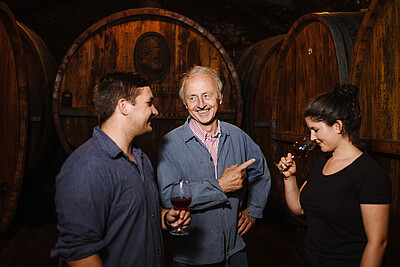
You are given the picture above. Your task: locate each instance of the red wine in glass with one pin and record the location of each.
(300, 149)
(181, 203)
(181, 196)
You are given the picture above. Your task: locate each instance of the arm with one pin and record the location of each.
(175, 163)
(81, 203)
(292, 191)
(91, 261)
(376, 224)
(259, 184)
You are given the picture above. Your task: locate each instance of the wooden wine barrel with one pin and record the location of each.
(314, 56)
(375, 69)
(27, 129)
(159, 44)
(257, 70)
(40, 71)
(13, 122)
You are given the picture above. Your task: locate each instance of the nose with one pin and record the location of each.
(201, 102)
(154, 110)
(313, 136)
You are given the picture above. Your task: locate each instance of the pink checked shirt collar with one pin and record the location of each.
(200, 133)
(210, 141)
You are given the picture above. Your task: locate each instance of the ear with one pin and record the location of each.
(338, 126)
(220, 99)
(122, 106)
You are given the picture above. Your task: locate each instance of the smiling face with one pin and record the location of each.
(202, 100)
(327, 137)
(143, 111)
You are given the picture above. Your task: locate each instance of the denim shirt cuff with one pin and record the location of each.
(214, 183)
(255, 213)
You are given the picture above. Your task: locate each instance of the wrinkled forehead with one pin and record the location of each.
(200, 83)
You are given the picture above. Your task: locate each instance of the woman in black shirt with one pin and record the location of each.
(347, 196)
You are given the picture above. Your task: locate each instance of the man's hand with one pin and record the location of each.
(245, 222)
(232, 178)
(178, 218)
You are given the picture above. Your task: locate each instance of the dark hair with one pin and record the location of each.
(341, 104)
(114, 86)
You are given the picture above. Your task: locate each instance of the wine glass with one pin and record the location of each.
(300, 149)
(181, 196)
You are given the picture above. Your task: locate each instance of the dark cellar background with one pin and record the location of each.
(237, 24)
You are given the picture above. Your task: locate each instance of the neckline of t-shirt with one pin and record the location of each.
(341, 170)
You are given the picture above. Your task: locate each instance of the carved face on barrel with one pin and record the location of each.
(202, 100)
(151, 56)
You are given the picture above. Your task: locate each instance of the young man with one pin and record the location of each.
(213, 155)
(106, 196)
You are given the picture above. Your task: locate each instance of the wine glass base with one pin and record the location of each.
(178, 232)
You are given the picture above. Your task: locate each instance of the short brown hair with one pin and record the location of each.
(114, 86)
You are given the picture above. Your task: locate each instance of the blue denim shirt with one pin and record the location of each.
(213, 231)
(108, 205)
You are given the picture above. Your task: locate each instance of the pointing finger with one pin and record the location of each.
(246, 164)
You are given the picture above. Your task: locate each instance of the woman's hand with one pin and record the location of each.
(292, 191)
(288, 165)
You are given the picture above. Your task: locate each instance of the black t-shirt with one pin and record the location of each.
(335, 234)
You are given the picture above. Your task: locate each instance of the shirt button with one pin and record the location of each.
(158, 252)
(152, 215)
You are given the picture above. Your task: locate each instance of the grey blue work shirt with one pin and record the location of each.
(213, 230)
(107, 204)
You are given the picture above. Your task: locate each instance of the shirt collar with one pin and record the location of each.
(200, 133)
(110, 146)
(188, 134)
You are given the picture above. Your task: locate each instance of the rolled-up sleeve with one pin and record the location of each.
(82, 206)
(259, 181)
